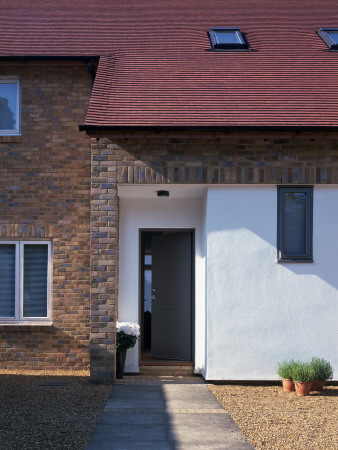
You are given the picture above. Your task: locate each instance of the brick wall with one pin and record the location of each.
(45, 194)
(104, 248)
(202, 158)
(244, 158)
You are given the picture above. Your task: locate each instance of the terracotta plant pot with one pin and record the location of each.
(288, 385)
(317, 386)
(303, 388)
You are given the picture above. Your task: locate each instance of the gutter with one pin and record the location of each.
(227, 128)
(90, 60)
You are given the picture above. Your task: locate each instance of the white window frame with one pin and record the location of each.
(19, 268)
(17, 130)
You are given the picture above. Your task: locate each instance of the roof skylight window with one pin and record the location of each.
(330, 37)
(227, 39)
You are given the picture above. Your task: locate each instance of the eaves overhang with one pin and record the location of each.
(97, 129)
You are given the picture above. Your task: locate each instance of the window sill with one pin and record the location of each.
(7, 139)
(26, 326)
(282, 261)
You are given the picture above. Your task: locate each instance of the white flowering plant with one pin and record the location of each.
(127, 334)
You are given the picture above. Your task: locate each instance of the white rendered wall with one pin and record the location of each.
(138, 211)
(260, 312)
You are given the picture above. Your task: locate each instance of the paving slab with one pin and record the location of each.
(128, 435)
(196, 396)
(165, 417)
(205, 431)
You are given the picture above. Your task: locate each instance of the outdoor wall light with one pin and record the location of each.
(162, 193)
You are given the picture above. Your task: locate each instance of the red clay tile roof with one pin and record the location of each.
(156, 67)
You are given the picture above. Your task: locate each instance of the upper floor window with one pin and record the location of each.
(330, 37)
(294, 229)
(9, 106)
(227, 39)
(25, 281)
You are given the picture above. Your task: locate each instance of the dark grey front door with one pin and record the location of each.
(171, 329)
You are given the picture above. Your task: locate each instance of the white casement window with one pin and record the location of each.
(25, 278)
(10, 100)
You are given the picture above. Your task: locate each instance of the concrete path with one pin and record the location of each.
(165, 417)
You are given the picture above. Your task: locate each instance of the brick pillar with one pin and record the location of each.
(104, 251)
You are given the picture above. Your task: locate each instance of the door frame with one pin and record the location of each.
(141, 280)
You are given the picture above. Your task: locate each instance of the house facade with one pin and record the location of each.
(181, 177)
(45, 201)
(224, 188)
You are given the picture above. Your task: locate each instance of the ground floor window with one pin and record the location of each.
(295, 224)
(25, 280)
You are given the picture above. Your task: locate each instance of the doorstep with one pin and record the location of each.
(166, 368)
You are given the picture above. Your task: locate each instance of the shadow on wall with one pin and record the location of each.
(236, 215)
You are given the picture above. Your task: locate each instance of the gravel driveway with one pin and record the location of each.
(273, 419)
(60, 410)
(49, 411)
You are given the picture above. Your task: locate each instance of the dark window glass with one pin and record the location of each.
(147, 260)
(8, 107)
(295, 224)
(227, 39)
(333, 35)
(147, 290)
(7, 280)
(35, 280)
(330, 37)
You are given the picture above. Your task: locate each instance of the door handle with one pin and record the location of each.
(153, 295)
